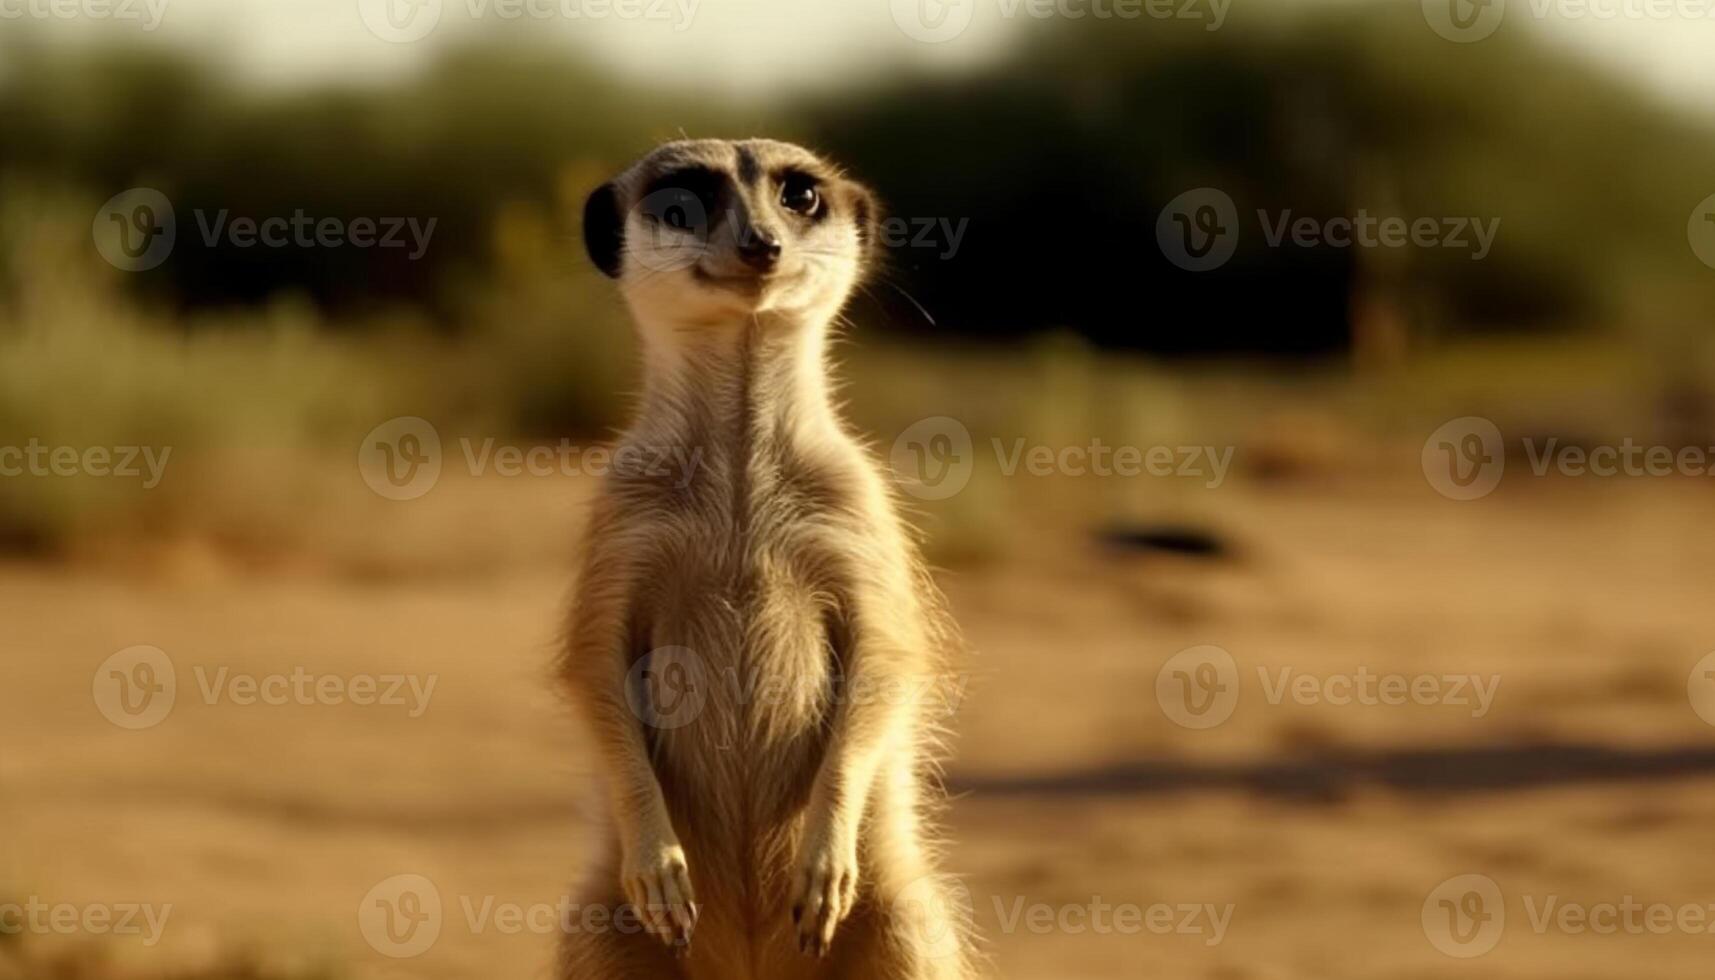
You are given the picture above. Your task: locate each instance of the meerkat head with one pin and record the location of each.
(717, 231)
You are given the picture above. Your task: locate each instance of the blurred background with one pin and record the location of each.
(1308, 406)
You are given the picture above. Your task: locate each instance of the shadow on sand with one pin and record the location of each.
(1331, 777)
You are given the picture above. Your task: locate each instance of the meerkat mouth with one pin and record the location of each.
(746, 283)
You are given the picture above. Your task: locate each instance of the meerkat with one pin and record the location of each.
(753, 636)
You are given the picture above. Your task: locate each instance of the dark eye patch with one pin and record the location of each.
(687, 199)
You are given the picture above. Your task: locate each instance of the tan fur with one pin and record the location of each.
(776, 579)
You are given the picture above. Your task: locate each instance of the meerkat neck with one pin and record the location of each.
(763, 377)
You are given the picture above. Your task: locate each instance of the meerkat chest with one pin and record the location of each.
(748, 597)
(743, 602)
(742, 584)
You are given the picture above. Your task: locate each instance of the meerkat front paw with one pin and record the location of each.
(825, 891)
(657, 880)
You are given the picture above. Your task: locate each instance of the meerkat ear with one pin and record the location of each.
(604, 229)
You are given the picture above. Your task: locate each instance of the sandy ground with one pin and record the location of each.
(1303, 837)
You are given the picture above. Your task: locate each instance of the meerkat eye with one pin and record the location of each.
(799, 194)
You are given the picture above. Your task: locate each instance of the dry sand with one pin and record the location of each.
(1321, 829)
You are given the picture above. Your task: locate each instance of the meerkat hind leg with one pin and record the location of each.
(610, 954)
(880, 944)
(615, 946)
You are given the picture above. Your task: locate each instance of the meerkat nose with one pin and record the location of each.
(760, 249)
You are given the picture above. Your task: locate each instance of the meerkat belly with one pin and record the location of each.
(743, 648)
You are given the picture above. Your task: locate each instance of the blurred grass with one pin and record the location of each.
(251, 402)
